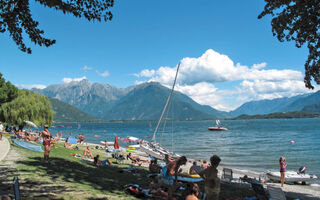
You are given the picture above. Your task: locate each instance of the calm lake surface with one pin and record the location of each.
(251, 144)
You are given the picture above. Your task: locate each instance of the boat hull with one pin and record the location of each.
(292, 176)
(217, 129)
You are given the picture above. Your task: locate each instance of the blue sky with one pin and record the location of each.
(227, 55)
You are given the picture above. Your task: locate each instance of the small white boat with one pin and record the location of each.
(292, 176)
(109, 143)
(218, 127)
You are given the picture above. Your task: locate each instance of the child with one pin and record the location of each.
(283, 167)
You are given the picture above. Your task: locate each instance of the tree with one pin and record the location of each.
(27, 106)
(16, 18)
(8, 92)
(299, 21)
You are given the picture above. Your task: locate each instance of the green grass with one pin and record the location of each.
(67, 177)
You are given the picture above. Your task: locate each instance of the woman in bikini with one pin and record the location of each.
(46, 143)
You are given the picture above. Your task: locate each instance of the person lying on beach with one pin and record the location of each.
(135, 160)
(87, 153)
(98, 162)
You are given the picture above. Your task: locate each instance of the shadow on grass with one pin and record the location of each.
(89, 178)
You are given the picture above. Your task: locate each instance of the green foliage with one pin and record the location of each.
(27, 106)
(298, 20)
(284, 115)
(67, 113)
(16, 18)
(8, 92)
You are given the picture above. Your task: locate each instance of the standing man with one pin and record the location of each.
(211, 179)
(1, 130)
(46, 143)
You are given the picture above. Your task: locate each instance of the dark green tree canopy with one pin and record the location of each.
(299, 21)
(16, 18)
(8, 92)
(27, 106)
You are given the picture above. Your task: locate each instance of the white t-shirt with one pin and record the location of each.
(1, 128)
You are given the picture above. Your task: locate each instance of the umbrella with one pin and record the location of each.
(116, 144)
(72, 140)
(29, 123)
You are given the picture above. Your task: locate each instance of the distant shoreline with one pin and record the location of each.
(285, 115)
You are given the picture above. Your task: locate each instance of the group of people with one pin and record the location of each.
(169, 178)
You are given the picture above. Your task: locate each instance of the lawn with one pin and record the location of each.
(68, 177)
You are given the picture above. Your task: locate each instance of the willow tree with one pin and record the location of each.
(299, 21)
(27, 106)
(16, 18)
(8, 92)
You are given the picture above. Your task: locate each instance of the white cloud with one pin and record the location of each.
(30, 86)
(198, 76)
(145, 73)
(86, 68)
(68, 80)
(103, 74)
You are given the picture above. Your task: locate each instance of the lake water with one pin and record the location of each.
(251, 144)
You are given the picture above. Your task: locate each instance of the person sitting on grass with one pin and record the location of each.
(98, 162)
(87, 153)
(67, 144)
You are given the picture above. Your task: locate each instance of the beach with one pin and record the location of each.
(17, 156)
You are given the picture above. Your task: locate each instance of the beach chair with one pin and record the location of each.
(227, 175)
(276, 193)
(258, 188)
(16, 189)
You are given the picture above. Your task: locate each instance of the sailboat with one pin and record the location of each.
(218, 127)
(153, 148)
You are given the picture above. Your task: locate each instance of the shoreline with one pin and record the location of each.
(309, 192)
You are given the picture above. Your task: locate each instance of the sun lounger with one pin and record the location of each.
(227, 175)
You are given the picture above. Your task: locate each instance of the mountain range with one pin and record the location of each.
(141, 102)
(146, 101)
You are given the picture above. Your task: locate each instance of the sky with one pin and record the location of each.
(228, 56)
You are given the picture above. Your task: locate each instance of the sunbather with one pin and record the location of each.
(135, 160)
(87, 153)
(98, 162)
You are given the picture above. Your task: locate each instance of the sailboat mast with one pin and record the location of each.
(165, 107)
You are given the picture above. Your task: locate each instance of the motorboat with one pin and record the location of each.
(218, 127)
(292, 176)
